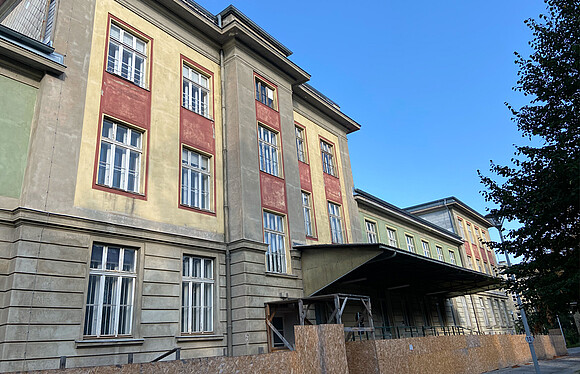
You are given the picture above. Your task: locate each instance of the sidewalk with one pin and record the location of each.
(562, 365)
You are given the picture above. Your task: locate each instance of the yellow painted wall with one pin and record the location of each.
(164, 145)
(313, 131)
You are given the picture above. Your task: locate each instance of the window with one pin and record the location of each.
(197, 295)
(483, 311)
(268, 151)
(470, 233)
(467, 317)
(109, 308)
(478, 237)
(478, 263)
(278, 323)
(195, 91)
(498, 311)
(275, 237)
(300, 145)
(410, 243)
(452, 258)
(265, 94)
(327, 158)
(307, 209)
(335, 223)
(439, 253)
(426, 250)
(120, 157)
(491, 311)
(460, 226)
(127, 55)
(371, 229)
(195, 177)
(392, 237)
(469, 263)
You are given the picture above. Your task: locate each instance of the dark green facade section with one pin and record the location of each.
(17, 102)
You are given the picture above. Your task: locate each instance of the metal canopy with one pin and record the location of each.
(326, 268)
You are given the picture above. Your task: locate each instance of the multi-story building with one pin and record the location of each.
(488, 311)
(166, 174)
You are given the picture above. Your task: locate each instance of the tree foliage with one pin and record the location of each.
(541, 188)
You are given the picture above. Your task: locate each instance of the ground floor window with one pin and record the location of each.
(197, 295)
(275, 237)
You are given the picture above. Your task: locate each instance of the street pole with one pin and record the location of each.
(529, 337)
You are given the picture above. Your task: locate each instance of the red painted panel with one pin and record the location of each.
(197, 131)
(267, 115)
(273, 191)
(491, 257)
(483, 255)
(467, 247)
(475, 251)
(305, 178)
(126, 101)
(332, 188)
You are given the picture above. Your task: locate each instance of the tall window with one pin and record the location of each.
(307, 209)
(439, 253)
(275, 237)
(371, 229)
(452, 258)
(478, 263)
(410, 243)
(127, 55)
(483, 311)
(469, 263)
(491, 312)
(265, 94)
(195, 91)
(460, 226)
(195, 178)
(335, 223)
(109, 308)
(426, 249)
(465, 311)
(471, 238)
(327, 158)
(392, 237)
(268, 151)
(120, 157)
(300, 145)
(197, 295)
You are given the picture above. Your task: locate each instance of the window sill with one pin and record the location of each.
(272, 175)
(200, 337)
(108, 342)
(136, 195)
(197, 210)
(126, 80)
(199, 114)
(281, 275)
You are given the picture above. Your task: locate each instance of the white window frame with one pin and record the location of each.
(327, 154)
(195, 179)
(97, 318)
(268, 145)
(300, 144)
(197, 308)
(426, 248)
(275, 237)
(470, 233)
(130, 145)
(461, 229)
(469, 263)
(335, 218)
(491, 312)
(371, 230)
(484, 311)
(439, 250)
(135, 48)
(392, 234)
(452, 258)
(265, 94)
(307, 210)
(466, 311)
(196, 91)
(410, 243)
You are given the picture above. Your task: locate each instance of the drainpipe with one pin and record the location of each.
(226, 206)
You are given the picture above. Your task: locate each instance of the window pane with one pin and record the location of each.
(109, 306)
(129, 260)
(92, 305)
(196, 268)
(97, 257)
(112, 262)
(107, 130)
(115, 32)
(126, 64)
(119, 168)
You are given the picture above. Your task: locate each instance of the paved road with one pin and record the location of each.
(563, 365)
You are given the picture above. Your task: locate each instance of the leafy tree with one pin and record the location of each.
(541, 189)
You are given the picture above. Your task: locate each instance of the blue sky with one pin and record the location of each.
(427, 80)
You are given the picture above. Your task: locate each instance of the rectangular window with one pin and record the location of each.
(491, 311)
(410, 243)
(335, 223)
(195, 91)
(467, 317)
(197, 295)
(109, 307)
(120, 157)
(371, 229)
(127, 55)
(265, 94)
(268, 151)
(275, 237)
(439, 253)
(471, 238)
(452, 258)
(195, 180)
(478, 263)
(483, 311)
(327, 158)
(307, 209)
(300, 144)
(426, 249)
(460, 226)
(469, 263)
(392, 237)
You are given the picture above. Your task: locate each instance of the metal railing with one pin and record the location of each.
(398, 332)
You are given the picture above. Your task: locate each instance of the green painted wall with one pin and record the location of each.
(17, 102)
(402, 228)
